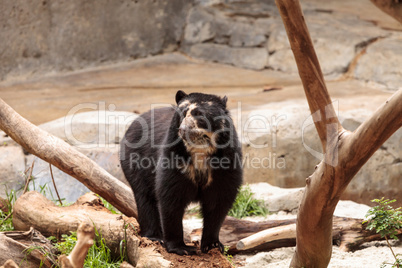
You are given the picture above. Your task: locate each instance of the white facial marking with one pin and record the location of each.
(184, 103)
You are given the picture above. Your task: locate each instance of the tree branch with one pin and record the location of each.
(60, 154)
(370, 135)
(345, 152)
(309, 69)
(391, 7)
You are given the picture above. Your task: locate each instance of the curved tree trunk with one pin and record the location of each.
(344, 152)
(60, 154)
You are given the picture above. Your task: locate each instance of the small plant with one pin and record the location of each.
(228, 256)
(385, 220)
(246, 205)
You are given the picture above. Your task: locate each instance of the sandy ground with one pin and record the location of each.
(372, 255)
(135, 86)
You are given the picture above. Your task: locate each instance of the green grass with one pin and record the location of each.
(98, 255)
(246, 205)
(6, 220)
(109, 206)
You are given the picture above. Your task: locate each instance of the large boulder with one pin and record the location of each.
(272, 144)
(382, 63)
(95, 129)
(335, 43)
(12, 167)
(96, 134)
(63, 35)
(69, 188)
(281, 147)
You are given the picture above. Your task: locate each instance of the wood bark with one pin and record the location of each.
(15, 246)
(344, 152)
(9, 264)
(33, 210)
(85, 239)
(60, 154)
(391, 7)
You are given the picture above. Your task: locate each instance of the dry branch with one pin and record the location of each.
(60, 154)
(345, 152)
(391, 7)
(85, 239)
(9, 264)
(33, 209)
(268, 235)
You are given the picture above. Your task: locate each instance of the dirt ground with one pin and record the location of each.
(212, 259)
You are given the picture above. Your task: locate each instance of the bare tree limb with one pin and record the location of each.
(60, 154)
(391, 7)
(54, 184)
(276, 233)
(85, 239)
(309, 69)
(345, 152)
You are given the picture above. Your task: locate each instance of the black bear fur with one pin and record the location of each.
(167, 157)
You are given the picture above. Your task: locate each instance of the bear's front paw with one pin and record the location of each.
(207, 246)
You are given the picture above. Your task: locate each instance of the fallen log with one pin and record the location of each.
(348, 233)
(63, 156)
(27, 249)
(33, 210)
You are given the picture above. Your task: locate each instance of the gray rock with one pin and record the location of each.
(288, 200)
(12, 167)
(275, 151)
(91, 129)
(68, 187)
(52, 35)
(247, 39)
(250, 58)
(382, 63)
(276, 198)
(335, 42)
(200, 26)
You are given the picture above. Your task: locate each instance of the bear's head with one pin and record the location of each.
(203, 118)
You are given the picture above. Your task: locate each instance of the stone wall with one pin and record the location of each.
(42, 36)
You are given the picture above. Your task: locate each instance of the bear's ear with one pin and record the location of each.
(224, 100)
(180, 95)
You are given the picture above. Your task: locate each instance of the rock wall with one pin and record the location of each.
(281, 146)
(250, 34)
(43, 36)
